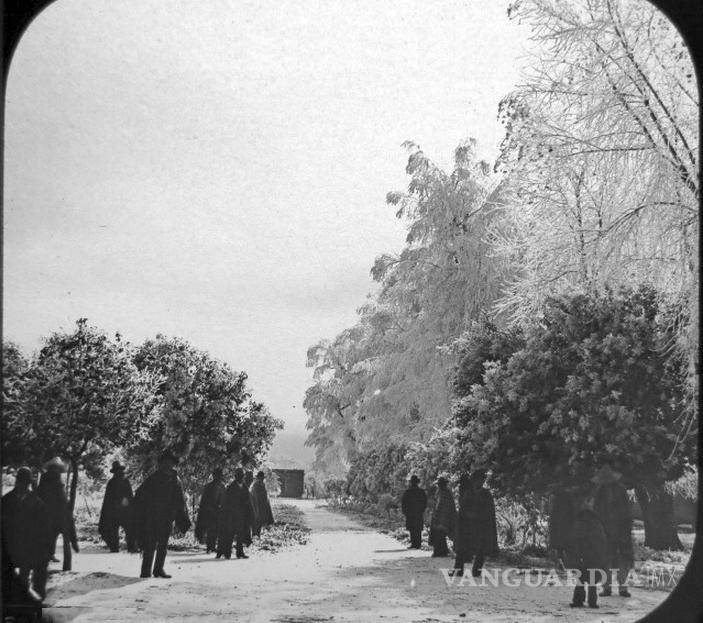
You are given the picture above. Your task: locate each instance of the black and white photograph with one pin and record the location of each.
(350, 311)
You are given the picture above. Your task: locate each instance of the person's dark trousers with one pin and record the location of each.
(479, 559)
(156, 544)
(240, 547)
(39, 577)
(112, 538)
(416, 538)
(224, 546)
(580, 591)
(440, 545)
(211, 542)
(460, 561)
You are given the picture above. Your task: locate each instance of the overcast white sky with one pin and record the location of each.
(217, 170)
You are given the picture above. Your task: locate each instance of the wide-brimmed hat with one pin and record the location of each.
(117, 467)
(606, 475)
(56, 464)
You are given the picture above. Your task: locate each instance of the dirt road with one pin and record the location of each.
(346, 572)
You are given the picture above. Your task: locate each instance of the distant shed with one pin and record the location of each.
(291, 481)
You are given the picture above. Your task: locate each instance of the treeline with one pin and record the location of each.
(87, 397)
(543, 315)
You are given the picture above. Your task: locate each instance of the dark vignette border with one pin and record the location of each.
(685, 603)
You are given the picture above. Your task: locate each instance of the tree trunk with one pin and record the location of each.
(658, 514)
(74, 486)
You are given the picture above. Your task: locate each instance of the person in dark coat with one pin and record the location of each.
(117, 511)
(443, 519)
(237, 518)
(587, 552)
(475, 535)
(561, 520)
(53, 493)
(26, 539)
(413, 505)
(613, 507)
(158, 503)
(263, 515)
(206, 525)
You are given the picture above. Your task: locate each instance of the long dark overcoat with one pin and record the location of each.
(27, 537)
(561, 519)
(475, 531)
(53, 494)
(613, 508)
(158, 502)
(413, 505)
(444, 514)
(238, 514)
(587, 545)
(211, 502)
(117, 508)
(263, 515)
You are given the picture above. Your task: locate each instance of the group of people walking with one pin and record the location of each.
(33, 518)
(471, 527)
(590, 529)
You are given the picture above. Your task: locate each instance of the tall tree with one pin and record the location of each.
(594, 381)
(386, 378)
(601, 153)
(82, 398)
(207, 416)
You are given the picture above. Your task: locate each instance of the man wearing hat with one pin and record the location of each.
(158, 503)
(237, 518)
(613, 507)
(117, 511)
(476, 535)
(413, 505)
(263, 515)
(26, 540)
(52, 492)
(206, 526)
(443, 519)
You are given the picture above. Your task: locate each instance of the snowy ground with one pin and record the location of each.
(346, 572)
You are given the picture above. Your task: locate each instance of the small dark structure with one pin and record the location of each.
(291, 481)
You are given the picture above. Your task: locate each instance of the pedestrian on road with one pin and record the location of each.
(26, 540)
(613, 507)
(587, 552)
(206, 526)
(475, 535)
(413, 504)
(238, 517)
(53, 493)
(117, 511)
(443, 519)
(262, 507)
(158, 503)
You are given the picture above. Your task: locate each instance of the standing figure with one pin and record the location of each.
(263, 515)
(206, 525)
(158, 503)
(237, 518)
(475, 535)
(413, 504)
(561, 521)
(443, 519)
(613, 507)
(27, 539)
(53, 494)
(586, 552)
(117, 511)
